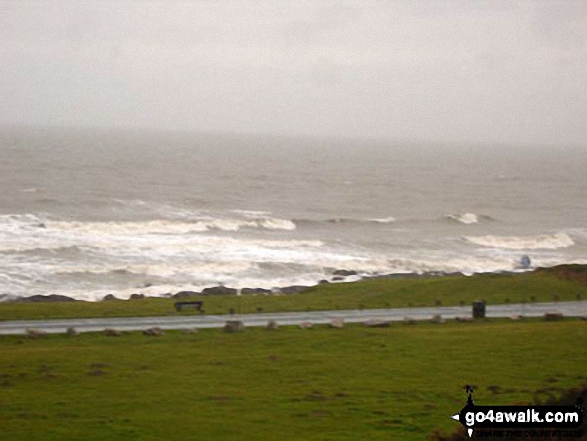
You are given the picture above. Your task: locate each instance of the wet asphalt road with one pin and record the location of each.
(572, 309)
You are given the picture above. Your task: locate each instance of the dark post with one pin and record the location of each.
(479, 309)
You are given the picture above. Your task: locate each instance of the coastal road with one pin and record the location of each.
(571, 309)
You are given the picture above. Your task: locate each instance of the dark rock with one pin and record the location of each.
(156, 332)
(185, 294)
(344, 273)
(110, 297)
(234, 326)
(218, 290)
(137, 296)
(112, 333)
(553, 316)
(72, 331)
(337, 278)
(255, 291)
(437, 318)
(272, 325)
(323, 282)
(293, 289)
(49, 298)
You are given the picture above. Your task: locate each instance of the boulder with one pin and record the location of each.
(437, 318)
(110, 297)
(323, 282)
(305, 325)
(156, 332)
(553, 316)
(35, 333)
(272, 325)
(71, 331)
(336, 323)
(464, 319)
(375, 323)
(218, 290)
(344, 273)
(255, 291)
(112, 333)
(294, 289)
(137, 296)
(185, 294)
(234, 326)
(337, 278)
(49, 298)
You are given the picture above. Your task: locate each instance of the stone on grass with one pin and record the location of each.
(409, 321)
(72, 331)
(155, 332)
(112, 333)
(305, 325)
(337, 323)
(234, 326)
(464, 319)
(272, 325)
(35, 333)
(437, 318)
(375, 323)
(553, 316)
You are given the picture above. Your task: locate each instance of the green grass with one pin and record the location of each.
(290, 384)
(380, 293)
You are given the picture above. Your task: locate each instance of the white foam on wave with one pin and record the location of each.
(171, 227)
(464, 218)
(384, 220)
(544, 241)
(252, 213)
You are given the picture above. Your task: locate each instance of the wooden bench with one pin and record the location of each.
(180, 305)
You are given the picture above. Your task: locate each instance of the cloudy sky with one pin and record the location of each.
(467, 71)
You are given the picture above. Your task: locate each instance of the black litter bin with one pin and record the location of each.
(479, 309)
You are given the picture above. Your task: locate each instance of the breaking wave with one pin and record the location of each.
(343, 220)
(467, 218)
(545, 241)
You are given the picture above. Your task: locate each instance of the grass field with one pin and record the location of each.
(320, 384)
(538, 286)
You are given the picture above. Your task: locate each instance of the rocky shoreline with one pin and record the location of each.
(338, 276)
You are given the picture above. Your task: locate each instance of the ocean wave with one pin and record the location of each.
(545, 241)
(467, 218)
(161, 270)
(343, 220)
(385, 220)
(171, 227)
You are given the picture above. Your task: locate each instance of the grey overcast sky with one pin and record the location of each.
(466, 71)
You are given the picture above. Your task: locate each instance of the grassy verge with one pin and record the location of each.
(290, 384)
(538, 286)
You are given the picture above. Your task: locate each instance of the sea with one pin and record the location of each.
(91, 212)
